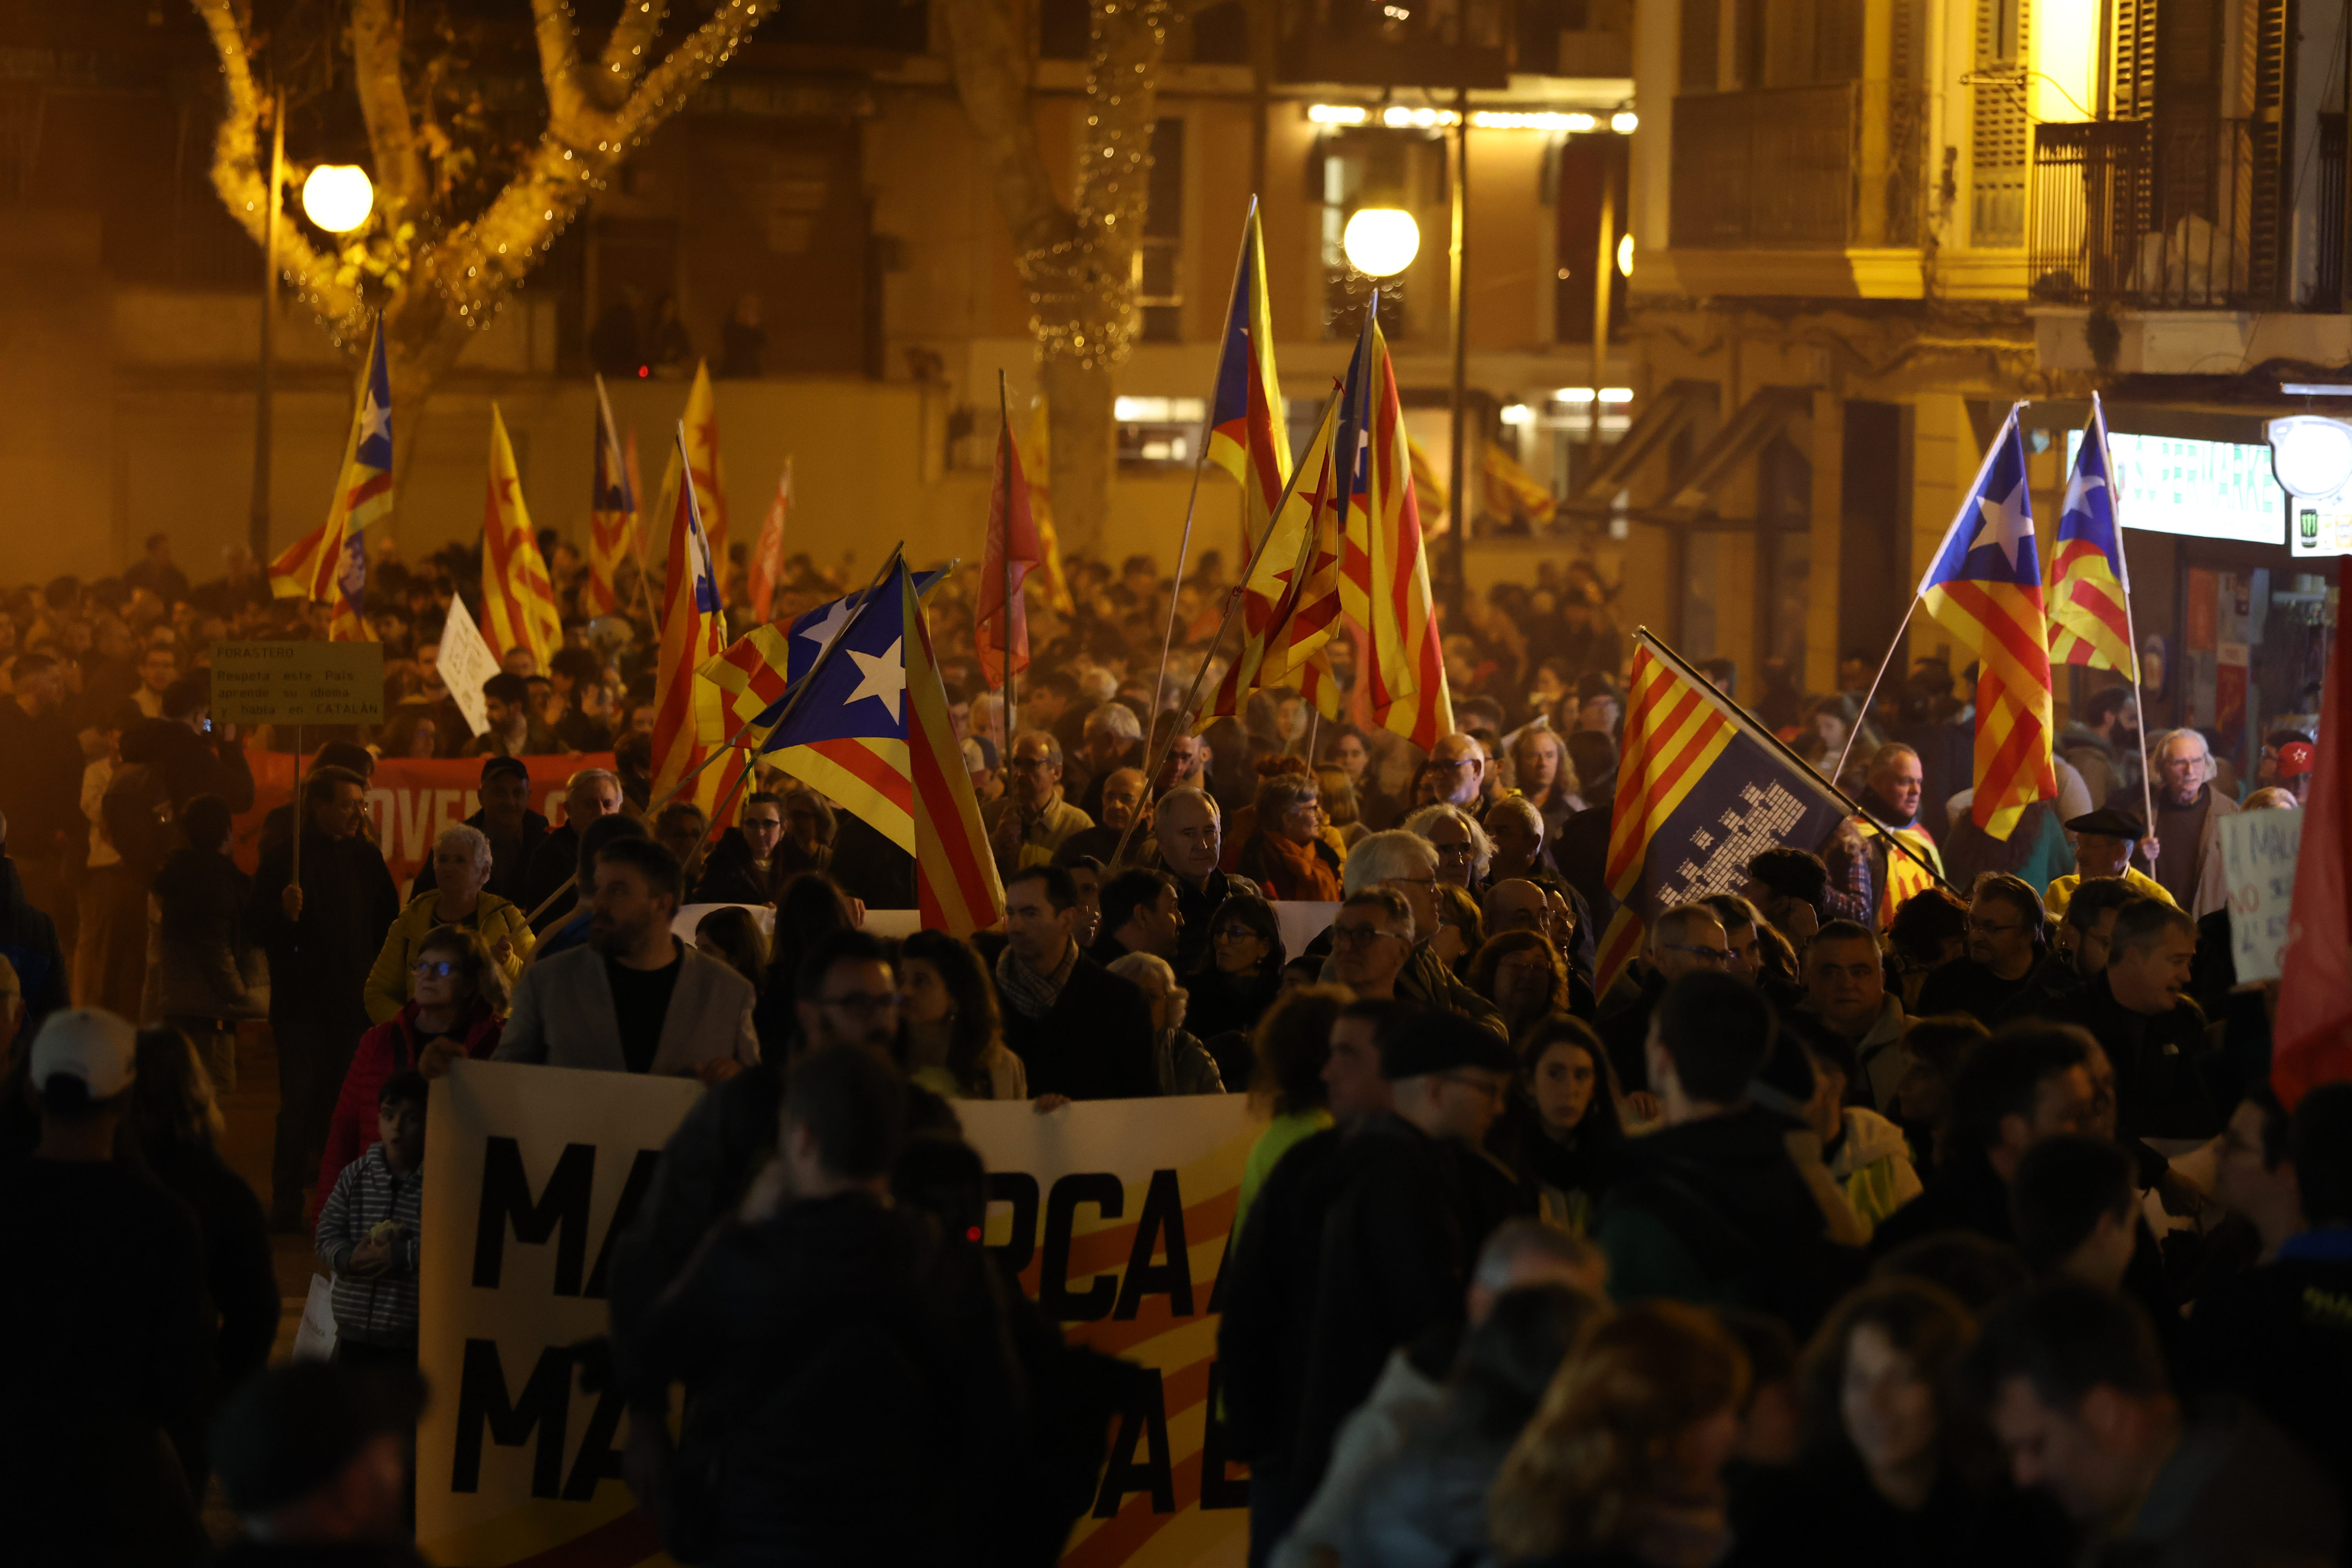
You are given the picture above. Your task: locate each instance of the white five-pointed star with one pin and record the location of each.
(883, 677)
(375, 419)
(2006, 525)
(836, 616)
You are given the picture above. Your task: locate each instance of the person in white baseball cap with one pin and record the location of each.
(82, 1059)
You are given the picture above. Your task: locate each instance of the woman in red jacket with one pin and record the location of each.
(458, 997)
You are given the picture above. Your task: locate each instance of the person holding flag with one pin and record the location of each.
(2090, 582)
(329, 564)
(519, 610)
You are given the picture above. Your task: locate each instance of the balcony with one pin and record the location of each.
(2171, 214)
(1830, 167)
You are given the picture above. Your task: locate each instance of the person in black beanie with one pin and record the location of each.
(313, 1459)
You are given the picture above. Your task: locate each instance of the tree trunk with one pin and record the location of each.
(1082, 455)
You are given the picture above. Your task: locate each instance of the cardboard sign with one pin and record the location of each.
(2258, 850)
(297, 682)
(465, 662)
(1113, 1214)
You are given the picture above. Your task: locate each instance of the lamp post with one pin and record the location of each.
(257, 533)
(1461, 311)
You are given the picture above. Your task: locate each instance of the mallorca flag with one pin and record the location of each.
(329, 564)
(768, 555)
(1247, 436)
(999, 614)
(517, 601)
(2089, 623)
(1040, 508)
(612, 513)
(2312, 1036)
(1702, 790)
(693, 631)
(872, 733)
(1283, 635)
(1384, 584)
(1985, 587)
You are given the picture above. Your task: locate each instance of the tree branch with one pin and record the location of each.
(992, 74)
(384, 103)
(243, 182)
(628, 52)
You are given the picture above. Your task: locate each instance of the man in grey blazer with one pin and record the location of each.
(636, 999)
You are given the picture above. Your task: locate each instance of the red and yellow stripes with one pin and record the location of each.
(2088, 624)
(1384, 582)
(691, 637)
(2002, 623)
(741, 684)
(956, 888)
(518, 599)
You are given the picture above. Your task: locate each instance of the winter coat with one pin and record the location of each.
(1405, 1399)
(494, 919)
(202, 957)
(1094, 1042)
(369, 1193)
(2160, 1090)
(239, 1268)
(319, 964)
(1182, 1065)
(192, 764)
(730, 877)
(564, 1016)
(387, 1049)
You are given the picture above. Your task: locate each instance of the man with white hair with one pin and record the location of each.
(1191, 840)
(1457, 769)
(1113, 738)
(2187, 832)
(588, 794)
(1407, 864)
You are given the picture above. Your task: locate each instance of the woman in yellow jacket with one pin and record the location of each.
(461, 864)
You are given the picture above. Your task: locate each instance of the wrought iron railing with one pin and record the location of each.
(2155, 212)
(1797, 167)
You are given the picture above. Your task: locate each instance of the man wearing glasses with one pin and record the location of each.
(1082, 1032)
(1032, 821)
(636, 998)
(1370, 941)
(2008, 970)
(1684, 940)
(1406, 864)
(1457, 769)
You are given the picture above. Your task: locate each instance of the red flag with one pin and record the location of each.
(1026, 553)
(2311, 1039)
(768, 557)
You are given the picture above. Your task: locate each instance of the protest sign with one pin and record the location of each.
(1113, 1214)
(297, 682)
(2258, 850)
(410, 800)
(464, 663)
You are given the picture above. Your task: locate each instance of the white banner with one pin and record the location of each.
(465, 662)
(2258, 850)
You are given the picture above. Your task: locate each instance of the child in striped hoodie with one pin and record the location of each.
(368, 1232)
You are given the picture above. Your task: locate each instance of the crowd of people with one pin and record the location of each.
(1921, 1201)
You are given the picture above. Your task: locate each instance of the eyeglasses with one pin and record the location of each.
(1235, 933)
(439, 968)
(1714, 955)
(1994, 928)
(861, 1004)
(1357, 936)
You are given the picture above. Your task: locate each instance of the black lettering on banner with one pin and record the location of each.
(1146, 1420)
(598, 1460)
(1018, 1188)
(1225, 1256)
(1163, 1220)
(1055, 1297)
(506, 1195)
(633, 1193)
(1219, 1488)
(545, 1407)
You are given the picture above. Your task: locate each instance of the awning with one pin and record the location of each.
(1771, 412)
(1659, 421)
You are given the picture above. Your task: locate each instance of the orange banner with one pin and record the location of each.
(410, 801)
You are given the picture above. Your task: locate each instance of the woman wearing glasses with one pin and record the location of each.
(461, 871)
(458, 996)
(1237, 983)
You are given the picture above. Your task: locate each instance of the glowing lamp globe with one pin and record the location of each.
(1381, 242)
(2311, 456)
(337, 197)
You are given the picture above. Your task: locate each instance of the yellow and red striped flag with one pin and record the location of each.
(1985, 588)
(518, 608)
(1249, 437)
(1038, 463)
(2090, 583)
(1701, 791)
(1290, 599)
(693, 631)
(612, 512)
(710, 473)
(768, 555)
(1384, 584)
(329, 564)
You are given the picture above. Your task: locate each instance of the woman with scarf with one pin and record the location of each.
(1285, 854)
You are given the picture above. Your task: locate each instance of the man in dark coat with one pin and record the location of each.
(2140, 1012)
(1686, 938)
(2009, 970)
(1082, 1031)
(322, 934)
(28, 940)
(589, 793)
(40, 787)
(507, 820)
(194, 755)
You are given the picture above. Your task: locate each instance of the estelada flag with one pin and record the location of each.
(1985, 587)
(2312, 1036)
(329, 564)
(612, 512)
(872, 733)
(2089, 581)
(746, 684)
(1279, 647)
(693, 631)
(518, 608)
(1248, 437)
(1000, 615)
(1702, 790)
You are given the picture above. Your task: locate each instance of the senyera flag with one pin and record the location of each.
(1985, 587)
(518, 609)
(329, 564)
(1702, 790)
(693, 631)
(2090, 583)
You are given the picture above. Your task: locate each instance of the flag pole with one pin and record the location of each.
(299, 813)
(2140, 719)
(1199, 462)
(1004, 633)
(791, 700)
(1855, 728)
(1183, 713)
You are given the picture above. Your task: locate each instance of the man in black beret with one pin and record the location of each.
(1416, 1200)
(313, 1459)
(2103, 842)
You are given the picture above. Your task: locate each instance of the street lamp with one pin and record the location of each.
(1381, 242)
(337, 197)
